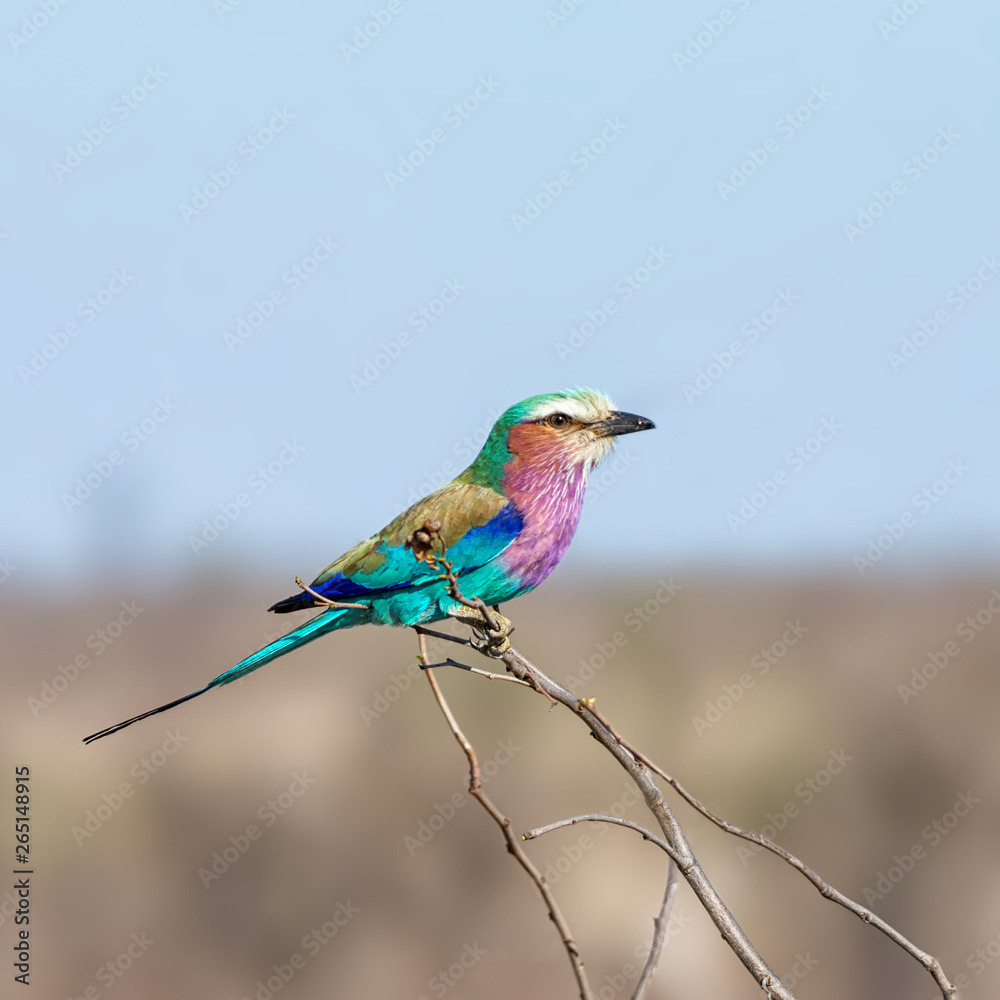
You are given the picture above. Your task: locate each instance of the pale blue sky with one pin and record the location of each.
(227, 155)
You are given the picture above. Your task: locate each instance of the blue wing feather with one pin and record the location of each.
(400, 570)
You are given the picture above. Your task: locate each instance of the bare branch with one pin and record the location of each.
(660, 922)
(449, 662)
(929, 962)
(659, 933)
(476, 791)
(601, 818)
(686, 861)
(447, 636)
(494, 629)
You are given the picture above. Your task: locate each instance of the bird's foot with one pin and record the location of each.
(492, 627)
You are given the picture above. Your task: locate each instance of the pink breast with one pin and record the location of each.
(550, 499)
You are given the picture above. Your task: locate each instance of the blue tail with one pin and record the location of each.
(328, 621)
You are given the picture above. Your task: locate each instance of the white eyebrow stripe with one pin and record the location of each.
(585, 409)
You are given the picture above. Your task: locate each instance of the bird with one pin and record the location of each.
(505, 523)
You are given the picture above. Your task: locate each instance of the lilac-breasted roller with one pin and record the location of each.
(506, 521)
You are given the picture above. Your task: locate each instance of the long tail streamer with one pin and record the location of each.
(312, 629)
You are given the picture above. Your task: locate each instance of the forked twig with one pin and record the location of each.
(660, 921)
(659, 933)
(513, 846)
(449, 662)
(495, 630)
(601, 818)
(929, 962)
(637, 764)
(674, 834)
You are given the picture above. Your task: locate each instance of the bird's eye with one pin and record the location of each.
(557, 420)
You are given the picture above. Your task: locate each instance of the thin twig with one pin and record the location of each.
(421, 542)
(585, 709)
(497, 646)
(424, 630)
(475, 670)
(659, 933)
(929, 962)
(688, 864)
(660, 922)
(327, 601)
(601, 818)
(635, 763)
(476, 791)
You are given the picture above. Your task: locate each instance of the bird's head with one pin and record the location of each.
(576, 427)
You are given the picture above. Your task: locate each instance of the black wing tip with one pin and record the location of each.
(297, 602)
(145, 715)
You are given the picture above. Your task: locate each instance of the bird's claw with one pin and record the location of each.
(494, 642)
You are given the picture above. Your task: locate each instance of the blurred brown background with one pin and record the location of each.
(363, 782)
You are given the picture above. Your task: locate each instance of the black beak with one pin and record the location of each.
(621, 423)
